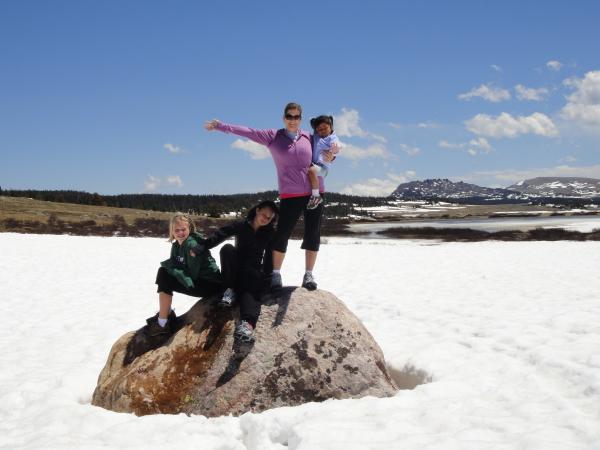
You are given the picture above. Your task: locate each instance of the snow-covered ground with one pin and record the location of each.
(410, 208)
(508, 332)
(583, 224)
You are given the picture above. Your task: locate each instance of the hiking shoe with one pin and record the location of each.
(308, 282)
(154, 329)
(314, 201)
(276, 282)
(227, 299)
(244, 332)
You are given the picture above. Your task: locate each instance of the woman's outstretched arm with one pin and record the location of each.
(264, 137)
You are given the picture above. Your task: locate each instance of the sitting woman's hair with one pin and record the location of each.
(177, 217)
(264, 204)
(316, 121)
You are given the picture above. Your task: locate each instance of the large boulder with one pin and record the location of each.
(309, 347)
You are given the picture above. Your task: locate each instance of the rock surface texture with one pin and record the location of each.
(309, 347)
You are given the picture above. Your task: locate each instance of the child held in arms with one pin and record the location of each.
(324, 140)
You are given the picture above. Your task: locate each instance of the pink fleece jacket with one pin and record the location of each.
(292, 158)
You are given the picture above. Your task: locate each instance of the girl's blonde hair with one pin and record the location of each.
(180, 217)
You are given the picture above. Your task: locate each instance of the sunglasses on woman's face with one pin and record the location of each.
(293, 117)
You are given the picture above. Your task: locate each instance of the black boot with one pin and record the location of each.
(154, 329)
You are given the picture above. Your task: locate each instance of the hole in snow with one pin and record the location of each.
(409, 377)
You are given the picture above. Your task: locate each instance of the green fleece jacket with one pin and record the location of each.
(187, 269)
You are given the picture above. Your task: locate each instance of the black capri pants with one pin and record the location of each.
(168, 284)
(246, 281)
(289, 213)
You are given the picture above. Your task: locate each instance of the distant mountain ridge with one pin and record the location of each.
(534, 188)
(558, 186)
(418, 190)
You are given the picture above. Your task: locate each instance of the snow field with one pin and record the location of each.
(507, 332)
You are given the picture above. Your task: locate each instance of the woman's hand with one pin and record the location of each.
(211, 125)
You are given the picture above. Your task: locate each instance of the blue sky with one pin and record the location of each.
(110, 97)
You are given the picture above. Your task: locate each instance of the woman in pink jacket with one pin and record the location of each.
(291, 149)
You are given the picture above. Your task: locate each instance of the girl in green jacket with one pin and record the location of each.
(187, 272)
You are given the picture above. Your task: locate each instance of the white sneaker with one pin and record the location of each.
(308, 282)
(244, 332)
(228, 298)
(314, 201)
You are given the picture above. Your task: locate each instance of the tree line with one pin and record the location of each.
(211, 205)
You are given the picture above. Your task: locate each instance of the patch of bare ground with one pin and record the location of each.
(25, 215)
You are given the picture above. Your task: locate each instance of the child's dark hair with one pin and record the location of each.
(316, 121)
(265, 204)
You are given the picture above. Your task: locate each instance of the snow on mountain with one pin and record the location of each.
(555, 187)
(444, 188)
(558, 187)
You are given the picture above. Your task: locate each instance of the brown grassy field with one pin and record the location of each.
(21, 208)
(25, 215)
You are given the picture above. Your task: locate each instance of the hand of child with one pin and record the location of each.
(197, 249)
(335, 148)
(328, 156)
(211, 125)
(183, 278)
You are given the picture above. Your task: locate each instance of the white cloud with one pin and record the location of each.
(446, 144)
(378, 187)
(481, 143)
(354, 152)
(478, 146)
(398, 126)
(496, 68)
(410, 151)
(379, 138)
(173, 149)
(151, 184)
(508, 177)
(487, 92)
(554, 65)
(583, 105)
(346, 124)
(256, 151)
(174, 180)
(507, 126)
(474, 146)
(531, 94)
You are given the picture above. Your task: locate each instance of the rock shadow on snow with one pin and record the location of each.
(409, 377)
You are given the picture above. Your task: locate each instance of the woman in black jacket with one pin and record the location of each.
(245, 266)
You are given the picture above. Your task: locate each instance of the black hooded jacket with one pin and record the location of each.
(253, 247)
